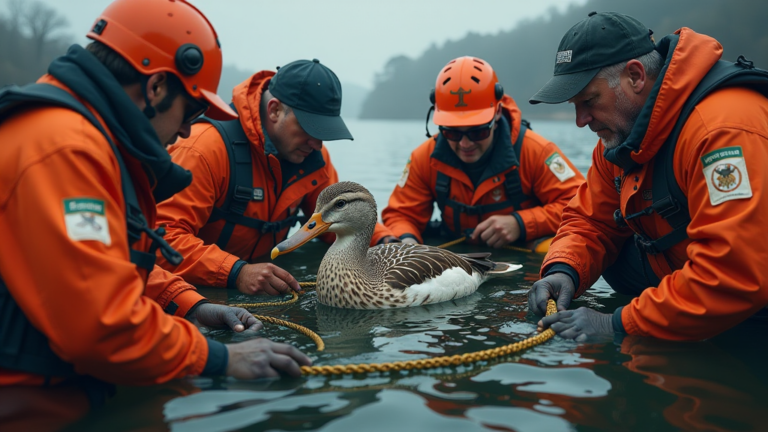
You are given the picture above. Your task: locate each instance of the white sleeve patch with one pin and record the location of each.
(559, 167)
(86, 219)
(404, 177)
(725, 172)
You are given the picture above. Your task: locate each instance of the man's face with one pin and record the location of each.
(292, 143)
(467, 150)
(176, 121)
(608, 112)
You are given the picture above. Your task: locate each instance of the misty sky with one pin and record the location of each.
(355, 38)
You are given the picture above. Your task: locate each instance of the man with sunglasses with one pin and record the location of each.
(251, 177)
(493, 178)
(83, 163)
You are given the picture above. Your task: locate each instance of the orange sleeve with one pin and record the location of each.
(552, 193)
(724, 282)
(411, 203)
(188, 211)
(171, 292)
(85, 295)
(588, 239)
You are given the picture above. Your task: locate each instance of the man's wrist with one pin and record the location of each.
(191, 312)
(218, 358)
(234, 273)
(616, 322)
(521, 224)
(568, 270)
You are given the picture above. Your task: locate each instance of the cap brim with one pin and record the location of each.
(322, 127)
(463, 118)
(217, 108)
(561, 88)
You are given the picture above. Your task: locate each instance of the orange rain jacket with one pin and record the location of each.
(716, 278)
(186, 214)
(410, 205)
(99, 311)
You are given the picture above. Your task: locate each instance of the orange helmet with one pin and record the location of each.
(167, 36)
(467, 93)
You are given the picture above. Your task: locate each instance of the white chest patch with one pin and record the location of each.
(559, 168)
(725, 172)
(85, 219)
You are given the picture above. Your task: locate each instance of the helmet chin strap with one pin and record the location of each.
(149, 110)
(432, 108)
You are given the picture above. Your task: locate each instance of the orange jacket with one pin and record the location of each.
(204, 154)
(715, 279)
(410, 205)
(97, 309)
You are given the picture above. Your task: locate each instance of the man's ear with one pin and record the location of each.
(637, 76)
(157, 87)
(274, 107)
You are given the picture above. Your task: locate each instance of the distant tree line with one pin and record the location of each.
(523, 57)
(29, 39)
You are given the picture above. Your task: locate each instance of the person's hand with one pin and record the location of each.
(557, 286)
(219, 316)
(580, 324)
(410, 240)
(262, 358)
(265, 278)
(497, 231)
(389, 239)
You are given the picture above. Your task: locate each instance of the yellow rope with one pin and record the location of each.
(436, 362)
(459, 240)
(301, 329)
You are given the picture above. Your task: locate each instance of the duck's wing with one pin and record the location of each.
(404, 265)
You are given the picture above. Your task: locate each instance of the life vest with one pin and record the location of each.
(512, 186)
(240, 190)
(22, 346)
(669, 201)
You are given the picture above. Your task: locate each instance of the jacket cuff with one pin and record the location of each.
(222, 274)
(564, 268)
(522, 226)
(232, 278)
(618, 326)
(379, 233)
(181, 304)
(218, 358)
(409, 235)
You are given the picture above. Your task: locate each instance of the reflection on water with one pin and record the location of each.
(630, 384)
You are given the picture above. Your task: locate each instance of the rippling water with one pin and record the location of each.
(624, 384)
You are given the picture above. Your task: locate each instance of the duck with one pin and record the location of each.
(394, 275)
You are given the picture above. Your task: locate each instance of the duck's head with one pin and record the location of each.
(344, 208)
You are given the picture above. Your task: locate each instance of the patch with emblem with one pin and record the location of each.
(559, 168)
(258, 194)
(496, 194)
(564, 56)
(404, 176)
(85, 219)
(726, 174)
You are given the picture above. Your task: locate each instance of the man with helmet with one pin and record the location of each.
(251, 177)
(493, 178)
(83, 163)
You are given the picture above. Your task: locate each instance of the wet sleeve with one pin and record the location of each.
(80, 289)
(588, 239)
(724, 281)
(188, 211)
(410, 205)
(551, 188)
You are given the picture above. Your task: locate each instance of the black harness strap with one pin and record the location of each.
(669, 201)
(22, 346)
(240, 191)
(512, 187)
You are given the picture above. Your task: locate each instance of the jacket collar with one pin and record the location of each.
(688, 57)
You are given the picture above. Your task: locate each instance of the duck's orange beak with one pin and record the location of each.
(313, 228)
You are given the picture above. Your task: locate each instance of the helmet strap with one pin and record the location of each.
(432, 108)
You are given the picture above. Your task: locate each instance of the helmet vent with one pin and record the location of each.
(447, 69)
(478, 61)
(446, 80)
(478, 68)
(476, 79)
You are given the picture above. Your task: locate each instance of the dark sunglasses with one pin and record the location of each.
(475, 134)
(193, 108)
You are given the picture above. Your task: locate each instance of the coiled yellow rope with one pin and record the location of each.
(436, 362)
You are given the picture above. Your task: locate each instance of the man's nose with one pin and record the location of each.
(583, 117)
(185, 130)
(466, 142)
(316, 144)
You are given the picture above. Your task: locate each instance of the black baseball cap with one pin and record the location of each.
(600, 40)
(314, 93)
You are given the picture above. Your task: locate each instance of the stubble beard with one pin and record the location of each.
(624, 120)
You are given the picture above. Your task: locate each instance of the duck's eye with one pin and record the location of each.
(340, 204)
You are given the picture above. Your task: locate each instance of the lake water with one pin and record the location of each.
(627, 384)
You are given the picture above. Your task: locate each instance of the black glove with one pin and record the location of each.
(558, 286)
(220, 316)
(579, 324)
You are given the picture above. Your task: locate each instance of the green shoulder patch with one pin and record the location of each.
(85, 219)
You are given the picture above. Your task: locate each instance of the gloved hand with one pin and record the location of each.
(579, 324)
(557, 286)
(262, 358)
(220, 316)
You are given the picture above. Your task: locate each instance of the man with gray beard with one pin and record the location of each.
(673, 200)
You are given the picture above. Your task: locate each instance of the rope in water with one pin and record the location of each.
(454, 360)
